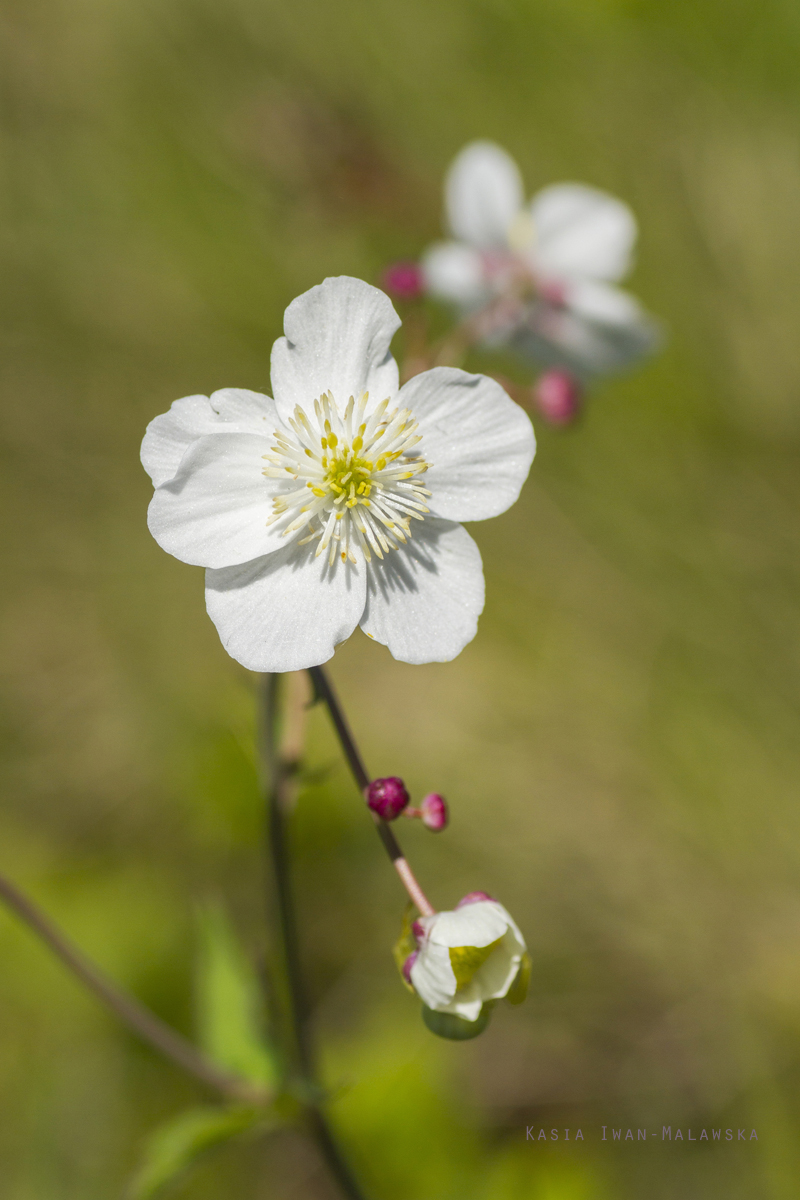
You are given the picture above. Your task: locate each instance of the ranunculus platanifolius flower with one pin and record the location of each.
(555, 258)
(337, 502)
(466, 957)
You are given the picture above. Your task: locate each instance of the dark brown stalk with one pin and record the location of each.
(280, 755)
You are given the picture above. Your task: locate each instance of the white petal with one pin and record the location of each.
(494, 977)
(560, 337)
(287, 611)
(466, 1004)
(477, 924)
(433, 977)
(169, 436)
(245, 412)
(483, 194)
(453, 271)
(214, 512)
(337, 338)
(602, 303)
(581, 231)
(481, 443)
(424, 600)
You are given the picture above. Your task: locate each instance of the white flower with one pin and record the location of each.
(552, 263)
(467, 957)
(336, 503)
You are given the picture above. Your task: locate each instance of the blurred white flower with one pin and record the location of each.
(548, 266)
(301, 506)
(466, 957)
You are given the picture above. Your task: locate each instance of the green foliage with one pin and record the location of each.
(176, 1146)
(456, 1029)
(227, 1000)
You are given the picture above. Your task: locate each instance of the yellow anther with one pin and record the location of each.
(358, 442)
(380, 465)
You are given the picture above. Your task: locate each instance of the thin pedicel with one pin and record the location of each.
(324, 691)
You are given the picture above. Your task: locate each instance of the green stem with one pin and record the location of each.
(279, 776)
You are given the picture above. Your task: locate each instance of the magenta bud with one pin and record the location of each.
(418, 930)
(473, 898)
(558, 397)
(387, 797)
(408, 964)
(403, 280)
(434, 812)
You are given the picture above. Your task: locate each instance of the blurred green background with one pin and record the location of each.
(619, 744)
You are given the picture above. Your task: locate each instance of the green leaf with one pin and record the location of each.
(456, 1029)
(227, 998)
(174, 1147)
(406, 944)
(519, 988)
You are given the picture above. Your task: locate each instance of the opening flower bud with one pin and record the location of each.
(558, 397)
(387, 797)
(403, 280)
(434, 812)
(474, 898)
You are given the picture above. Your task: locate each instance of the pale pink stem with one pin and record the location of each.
(412, 887)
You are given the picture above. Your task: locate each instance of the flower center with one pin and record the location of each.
(358, 482)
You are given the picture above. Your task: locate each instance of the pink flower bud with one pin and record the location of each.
(387, 797)
(434, 812)
(408, 964)
(473, 898)
(403, 280)
(558, 396)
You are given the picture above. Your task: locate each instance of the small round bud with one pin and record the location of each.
(403, 280)
(408, 964)
(387, 797)
(434, 812)
(558, 396)
(473, 898)
(418, 930)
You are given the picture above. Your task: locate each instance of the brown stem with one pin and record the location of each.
(324, 690)
(136, 1016)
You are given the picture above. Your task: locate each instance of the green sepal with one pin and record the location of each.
(456, 1029)
(406, 944)
(177, 1145)
(519, 988)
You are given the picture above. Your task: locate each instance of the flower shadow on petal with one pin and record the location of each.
(397, 572)
(291, 558)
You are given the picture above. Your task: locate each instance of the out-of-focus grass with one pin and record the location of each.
(618, 745)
